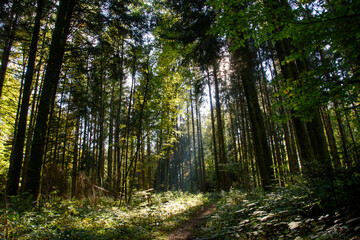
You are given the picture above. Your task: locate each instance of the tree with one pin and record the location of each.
(51, 79)
(10, 30)
(217, 174)
(18, 148)
(271, 21)
(243, 60)
(224, 177)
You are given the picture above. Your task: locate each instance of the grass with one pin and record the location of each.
(317, 208)
(78, 219)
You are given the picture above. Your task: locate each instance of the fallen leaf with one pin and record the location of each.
(294, 225)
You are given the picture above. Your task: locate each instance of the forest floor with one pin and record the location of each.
(305, 211)
(298, 212)
(191, 228)
(103, 218)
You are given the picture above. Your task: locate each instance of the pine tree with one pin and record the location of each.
(51, 79)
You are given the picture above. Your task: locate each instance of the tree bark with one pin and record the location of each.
(101, 159)
(111, 139)
(139, 141)
(74, 172)
(244, 140)
(16, 162)
(344, 141)
(306, 150)
(189, 147)
(317, 138)
(117, 149)
(201, 149)
(224, 176)
(243, 60)
(51, 80)
(216, 163)
(331, 139)
(148, 158)
(196, 173)
(126, 145)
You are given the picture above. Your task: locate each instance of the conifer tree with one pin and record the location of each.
(56, 53)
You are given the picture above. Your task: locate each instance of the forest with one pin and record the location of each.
(180, 119)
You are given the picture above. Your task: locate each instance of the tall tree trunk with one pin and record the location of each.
(16, 122)
(74, 172)
(18, 149)
(58, 121)
(289, 139)
(84, 144)
(350, 128)
(306, 150)
(196, 175)
(189, 146)
(126, 145)
(344, 141)
(201, 149)
(143, 182)
(111, 139)
(243, 60)
(244, 140)
(30, 132)
(291, 71)
(331, 139)
(182, 157)
(203, 169)
(139, 141)
(51, 80)
(273, 133)
(232, 129)
(318, 141)
(64, 163)
(117, 122)
(217, 173)
(101, 159)
(148, 157)
(224, 176)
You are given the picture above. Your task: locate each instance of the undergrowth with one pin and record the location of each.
(320, 208)
(79, 219)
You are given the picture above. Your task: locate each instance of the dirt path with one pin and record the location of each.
(190, 229)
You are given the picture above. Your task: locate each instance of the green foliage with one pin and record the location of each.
(305, 210)
(322, 34)
(78, 219)
(8, 109)
(239, 21)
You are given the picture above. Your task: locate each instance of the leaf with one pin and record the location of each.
(294, 225)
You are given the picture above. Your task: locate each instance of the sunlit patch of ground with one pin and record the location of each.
(191, 228)
(74, 219)
(284, 214)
